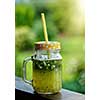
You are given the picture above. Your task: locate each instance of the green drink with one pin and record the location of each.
(47, 76)
(47, 68)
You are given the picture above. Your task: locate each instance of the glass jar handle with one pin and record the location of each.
(26, 60)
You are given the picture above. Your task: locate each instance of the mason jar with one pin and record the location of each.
(47, 68)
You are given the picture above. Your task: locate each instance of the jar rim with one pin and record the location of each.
(42, 45)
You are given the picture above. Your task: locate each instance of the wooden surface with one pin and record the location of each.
(24, 90)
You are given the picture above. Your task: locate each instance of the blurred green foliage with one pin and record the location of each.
(65, 23)
(38, 30)
(24, 38)
(65, 14)
(73, 63)
(24, 14)
(76, 81)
